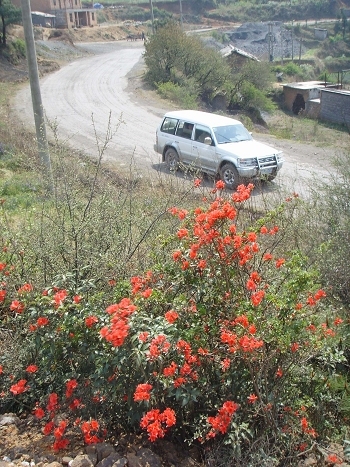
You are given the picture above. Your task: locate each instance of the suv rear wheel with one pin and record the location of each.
(229, 175)
(172, 159)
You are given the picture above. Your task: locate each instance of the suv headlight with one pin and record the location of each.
(250, 162)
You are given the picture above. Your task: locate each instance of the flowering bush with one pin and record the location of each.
(229, 338)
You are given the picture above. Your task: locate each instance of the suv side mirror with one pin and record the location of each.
(207, 140)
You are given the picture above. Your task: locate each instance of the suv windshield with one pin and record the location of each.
(231, 134)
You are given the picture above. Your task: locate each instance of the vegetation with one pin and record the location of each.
(178, 62)
(9, 14)
(216, 320)
(173, 308)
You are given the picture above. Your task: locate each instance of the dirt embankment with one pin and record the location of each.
(55, 47)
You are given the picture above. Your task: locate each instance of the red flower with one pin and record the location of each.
(147, 293)
(319, 294)
(52, 404)
(17, 306)
(48, 428)
(90, 321)
(25, 288)
(59, 297)
(171, 316)
(154, 422)
(39, 413)
(179, 382)
(197, 182)
(267, 257)
(222, 420)
(77, 299)
(220, 185)
(42, 322)
(2, 295)
(143, 336)
(280, 262)
(225, 364)
(182, 233)
(170, 370)
(257, 297)
(294, 347)
(279, 373)
(70, 386)
(60, 443)
(252, 398)
(177, 255)
(1, 369)
(32, 369)
(333, 459)
(19, 387)
(142, 392)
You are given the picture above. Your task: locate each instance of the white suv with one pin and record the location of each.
(216, 145)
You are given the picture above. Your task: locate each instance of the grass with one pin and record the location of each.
(285, 125)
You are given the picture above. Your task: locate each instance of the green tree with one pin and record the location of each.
(9, 14)
(173, 56)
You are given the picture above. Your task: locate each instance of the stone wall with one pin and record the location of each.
(335, 106)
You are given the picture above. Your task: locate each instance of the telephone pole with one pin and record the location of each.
(181, 17)
(152, 14)
(40, 127)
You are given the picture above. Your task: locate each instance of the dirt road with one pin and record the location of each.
(94, 95)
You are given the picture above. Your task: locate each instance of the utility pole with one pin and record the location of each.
(40, 127)
(152, 15)
(292, 41)
(181, 17)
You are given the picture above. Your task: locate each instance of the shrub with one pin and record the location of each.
(184, 96)
(228, 338)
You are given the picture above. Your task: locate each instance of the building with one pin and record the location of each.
(43, 19)
(68, 13)
(317, 99)
(296, 95)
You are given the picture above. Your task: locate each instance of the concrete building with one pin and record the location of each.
(68, 13)
(297, 94)
(319, 100)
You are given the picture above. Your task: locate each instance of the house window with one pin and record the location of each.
(54, 3)
(93, 16)
(71, 17)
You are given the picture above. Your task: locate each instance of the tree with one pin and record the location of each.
(9, 14)
(173, 56)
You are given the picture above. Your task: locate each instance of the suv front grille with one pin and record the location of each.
(269, 162)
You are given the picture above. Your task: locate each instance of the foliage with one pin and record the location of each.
(251, 82)
(15, 51)
(184, 96)
(171, 56)
(9, 14)
(332, 199)
(228, 338)
(94, 227)
(272, 10)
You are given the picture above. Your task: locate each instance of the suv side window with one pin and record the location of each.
(169, 125)
(201, 133)
(184, 129)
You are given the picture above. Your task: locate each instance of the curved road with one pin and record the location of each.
(83, 96)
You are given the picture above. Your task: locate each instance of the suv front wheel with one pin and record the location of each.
(172, 159)
(229, 175)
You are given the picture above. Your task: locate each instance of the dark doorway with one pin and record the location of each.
(298, 104)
